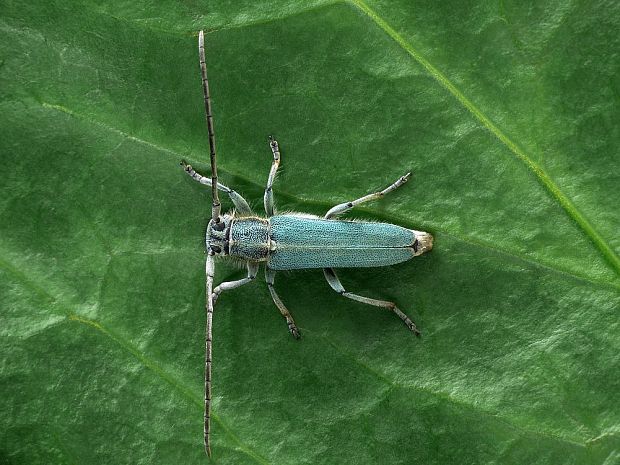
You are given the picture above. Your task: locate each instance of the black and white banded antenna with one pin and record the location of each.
(216, 206)
(210, 262)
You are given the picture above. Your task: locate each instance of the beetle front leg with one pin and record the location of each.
(292, 327)
(345, 207)
(228, 285)
(268, 199)
(336, 285)
(238, 201)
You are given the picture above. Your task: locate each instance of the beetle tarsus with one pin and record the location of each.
(413, 328)
(294, 331)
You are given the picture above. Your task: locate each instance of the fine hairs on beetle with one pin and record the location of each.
(292, 241)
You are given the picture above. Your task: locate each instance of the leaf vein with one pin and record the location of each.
(159, 371)
(444, 396)
(126, 345)
(297, 199)
(586, 227)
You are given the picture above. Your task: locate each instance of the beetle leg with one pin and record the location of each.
(336, 285)
(228, 285)
(268, 199)
(345, 207)
(240, 203)
(292, 327)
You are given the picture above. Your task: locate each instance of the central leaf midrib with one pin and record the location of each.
(545, 180)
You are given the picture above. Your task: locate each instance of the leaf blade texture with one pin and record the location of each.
(506, 115)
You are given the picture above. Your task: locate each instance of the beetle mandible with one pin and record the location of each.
(292, 241)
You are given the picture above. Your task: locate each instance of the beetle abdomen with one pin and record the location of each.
(307, 242)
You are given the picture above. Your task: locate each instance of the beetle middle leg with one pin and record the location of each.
(346, 206)
(228, 285)
(292, 327)
(268, 199)
(336, 285)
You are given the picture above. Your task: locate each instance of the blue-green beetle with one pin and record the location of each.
(293, 241)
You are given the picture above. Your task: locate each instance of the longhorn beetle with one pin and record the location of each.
(293, 241)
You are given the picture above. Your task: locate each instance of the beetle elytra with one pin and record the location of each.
(292, 241)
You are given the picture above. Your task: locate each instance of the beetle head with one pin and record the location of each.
(218, 235)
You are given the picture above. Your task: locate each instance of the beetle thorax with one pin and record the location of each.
(218, 235)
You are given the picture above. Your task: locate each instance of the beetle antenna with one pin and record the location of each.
(216, 206)
(209, 271)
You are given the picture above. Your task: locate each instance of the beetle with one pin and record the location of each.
(292, 241)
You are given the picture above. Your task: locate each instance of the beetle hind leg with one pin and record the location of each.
(292, 327)
(337, 286)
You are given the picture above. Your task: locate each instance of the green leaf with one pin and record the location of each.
(506, 113)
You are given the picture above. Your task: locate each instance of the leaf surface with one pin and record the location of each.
(507, 116)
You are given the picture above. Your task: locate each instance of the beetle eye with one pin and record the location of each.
(215, 249)
(218, 226)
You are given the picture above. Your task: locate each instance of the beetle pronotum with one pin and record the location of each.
(292, 241)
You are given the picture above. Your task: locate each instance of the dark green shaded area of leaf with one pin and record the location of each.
(101, 260)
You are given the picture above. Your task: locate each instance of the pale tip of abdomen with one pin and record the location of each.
(423, 243)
